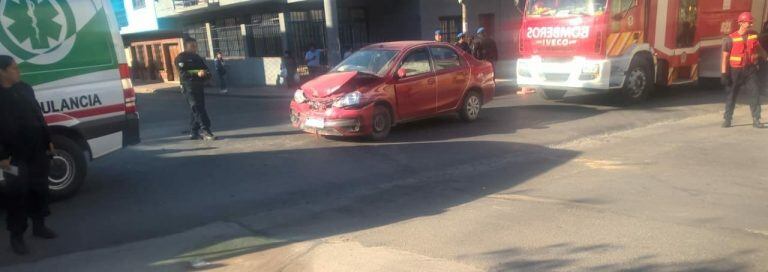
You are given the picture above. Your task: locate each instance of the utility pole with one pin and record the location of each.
(464, 23)
(332, 32)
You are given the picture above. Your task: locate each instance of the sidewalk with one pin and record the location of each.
(249, 92)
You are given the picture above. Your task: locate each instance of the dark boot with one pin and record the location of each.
(208, 136)
(727, 123)
(756, 124)
(18, 245)
(40, 230)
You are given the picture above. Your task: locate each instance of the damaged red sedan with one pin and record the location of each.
(386, 84)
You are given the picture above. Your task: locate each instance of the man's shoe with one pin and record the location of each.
(194, 136)
(225, 91)
(727, 123)
(757, 124)
(44, 232)
(208, 136)
(18, 245)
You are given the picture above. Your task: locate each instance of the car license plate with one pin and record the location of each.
(315, 122)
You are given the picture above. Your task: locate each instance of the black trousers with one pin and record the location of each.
(195, 94)
(744, 80)
(222, 81)
(26, 195)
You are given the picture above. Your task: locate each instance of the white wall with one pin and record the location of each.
(140, 20)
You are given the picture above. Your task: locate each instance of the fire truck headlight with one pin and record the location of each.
(590, 69)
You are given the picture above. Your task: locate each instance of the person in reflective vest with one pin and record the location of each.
(739, 69)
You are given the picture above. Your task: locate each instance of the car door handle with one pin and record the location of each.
(431, 81)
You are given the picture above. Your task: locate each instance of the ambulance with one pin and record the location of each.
(629, 47)
(71, 52)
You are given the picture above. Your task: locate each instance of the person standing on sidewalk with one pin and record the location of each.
(439, 35)
(25, 144)
(462, 43)
(484, 47)
(289, 64)
(739, 69)
(221, 69)
(312, 57)
(193, 73)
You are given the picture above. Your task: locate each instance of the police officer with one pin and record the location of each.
(24, 158)
(462, 43)
(739, 69)
(193, 73)
(438, 35)
(484, 48)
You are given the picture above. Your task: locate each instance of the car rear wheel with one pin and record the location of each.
(381, 123)
(68, 168)
(470, 110)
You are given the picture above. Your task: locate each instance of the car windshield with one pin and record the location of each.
(370, 61)
(565, 7)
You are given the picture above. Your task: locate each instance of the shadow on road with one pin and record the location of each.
(493, 121)
(376, 185)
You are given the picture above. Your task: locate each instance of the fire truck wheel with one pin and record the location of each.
(639, 82)
(551, 94)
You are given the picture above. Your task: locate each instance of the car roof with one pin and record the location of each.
(401, 45)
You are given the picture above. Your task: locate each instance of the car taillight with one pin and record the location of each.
(128, 92)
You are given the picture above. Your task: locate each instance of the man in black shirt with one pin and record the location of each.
(462, 43)
(24, 158)
(484, 48)
(193, 73)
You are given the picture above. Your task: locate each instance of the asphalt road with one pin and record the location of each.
(260, 164)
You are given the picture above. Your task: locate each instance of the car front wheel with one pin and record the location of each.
(381, 123)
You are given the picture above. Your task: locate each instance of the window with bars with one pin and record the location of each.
(139, 4)
(227, 37)
(197, 32)
(266, 40)
(353, 29)
(451, 27)
(305, 28)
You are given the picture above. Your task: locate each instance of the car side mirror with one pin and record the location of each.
(402, 73)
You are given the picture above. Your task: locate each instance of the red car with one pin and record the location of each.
(385, 84)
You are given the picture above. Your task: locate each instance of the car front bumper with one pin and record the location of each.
(332, 121)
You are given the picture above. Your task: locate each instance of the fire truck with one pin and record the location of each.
(631, 47)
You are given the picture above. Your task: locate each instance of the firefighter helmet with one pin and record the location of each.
(746, 17)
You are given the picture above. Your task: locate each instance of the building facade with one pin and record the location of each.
(253, 34)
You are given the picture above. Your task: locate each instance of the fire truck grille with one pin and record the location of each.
(556, 77)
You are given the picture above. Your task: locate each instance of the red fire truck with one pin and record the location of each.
(626, 46)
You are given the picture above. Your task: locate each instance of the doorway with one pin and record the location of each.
(171, 51)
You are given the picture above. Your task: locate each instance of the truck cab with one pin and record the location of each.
(621, 46)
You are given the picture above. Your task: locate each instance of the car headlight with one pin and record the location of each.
(299, 97)
(590, 69)
(350, 99)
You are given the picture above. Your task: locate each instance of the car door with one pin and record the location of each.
(416, 92)
(452, 74)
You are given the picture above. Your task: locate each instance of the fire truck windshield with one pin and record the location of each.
(565, 7)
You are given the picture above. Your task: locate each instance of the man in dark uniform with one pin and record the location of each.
(739, 69)
(462, 43)
(24, 158)
(193, 73)
(438, 35)
(484, 48)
